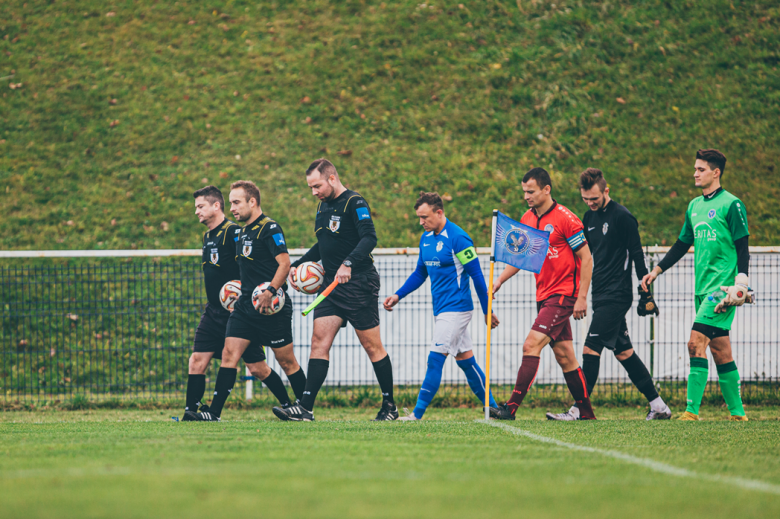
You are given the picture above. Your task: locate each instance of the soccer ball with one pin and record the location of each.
(276, 303)
(309, 277)
(229, 294)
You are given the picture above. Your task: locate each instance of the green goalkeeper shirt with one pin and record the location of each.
(712, 225)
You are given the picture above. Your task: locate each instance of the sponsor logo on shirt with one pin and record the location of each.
(552, 252)
(362, 213)
(703, 231)
(433, 263)
(279, 239)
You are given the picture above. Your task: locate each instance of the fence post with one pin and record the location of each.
(249, 384)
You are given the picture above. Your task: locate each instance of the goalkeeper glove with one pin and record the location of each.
(736, 295)
(647, 304)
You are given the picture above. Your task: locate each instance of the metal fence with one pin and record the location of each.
(116, 324)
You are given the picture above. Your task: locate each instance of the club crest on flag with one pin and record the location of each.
(520, 245)
(517, 242)
(335, 223)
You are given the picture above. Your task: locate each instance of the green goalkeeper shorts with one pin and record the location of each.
(705, 314)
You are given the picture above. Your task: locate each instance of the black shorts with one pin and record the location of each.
(274, 330)
(210, 336)
(608, 328)
(356, 302)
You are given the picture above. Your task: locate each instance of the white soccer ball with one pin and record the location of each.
(229, 294)
(277, 302)
(309, 277)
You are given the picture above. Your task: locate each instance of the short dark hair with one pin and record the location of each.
(211, 194)
(592, 177)
(540, 175)
(249, 187)
(714, 158)
(324, 167)
(432, 199)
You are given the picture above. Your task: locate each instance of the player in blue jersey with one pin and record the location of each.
(448, 256)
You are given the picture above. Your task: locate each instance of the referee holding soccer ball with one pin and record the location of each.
(345, 238)
(261, 252)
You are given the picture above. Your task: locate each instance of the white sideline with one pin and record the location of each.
(663, 468)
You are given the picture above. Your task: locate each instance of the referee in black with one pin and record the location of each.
(345, 238)
(613, 236)
(219, 267)
(261, 252)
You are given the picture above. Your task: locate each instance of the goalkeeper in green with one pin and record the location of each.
(716, 225)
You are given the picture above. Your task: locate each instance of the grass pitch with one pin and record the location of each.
(142, 464)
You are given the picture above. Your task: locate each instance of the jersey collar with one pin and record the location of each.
(713, 194)
(548, 211)
(208, 233)
(249, 225)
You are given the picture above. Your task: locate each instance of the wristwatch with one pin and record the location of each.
(347, 263)
(271, 289)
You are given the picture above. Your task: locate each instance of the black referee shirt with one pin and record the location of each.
(613, 237)
(258, 245)
(345, 231)
(219, 259)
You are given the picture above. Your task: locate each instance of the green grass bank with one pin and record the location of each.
(111, 115)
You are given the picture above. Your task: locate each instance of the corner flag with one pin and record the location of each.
(518, 245)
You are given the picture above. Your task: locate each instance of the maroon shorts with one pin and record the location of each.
(553, 318)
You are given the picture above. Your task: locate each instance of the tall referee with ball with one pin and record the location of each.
(260, 317)
(345, 238)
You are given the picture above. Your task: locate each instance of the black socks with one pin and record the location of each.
(637, 372)
(298, 383)
(318, 370)
(226, 379)
(590, 368)
(274, 383)
(196, 386)
(384, 374)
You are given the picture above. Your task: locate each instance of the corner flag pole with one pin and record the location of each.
(490, 313)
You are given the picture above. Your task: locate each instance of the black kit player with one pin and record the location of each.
(613, 235)
(345, 238)
(219, 267)
(261, 252)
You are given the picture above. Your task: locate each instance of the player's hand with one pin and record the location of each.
(581, 308)
(344, 274)
(496, 285)
(647, 280)
(390, 302)
(264, 301)
(736, 295)
(493, 321)
(291, 278)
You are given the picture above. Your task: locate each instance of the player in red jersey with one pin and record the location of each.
(561, 290)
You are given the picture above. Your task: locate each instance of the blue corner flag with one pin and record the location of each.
(519, 245)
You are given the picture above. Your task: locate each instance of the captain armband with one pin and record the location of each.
(466, 255)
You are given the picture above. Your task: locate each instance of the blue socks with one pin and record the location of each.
(476, 378)
(431, 383)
